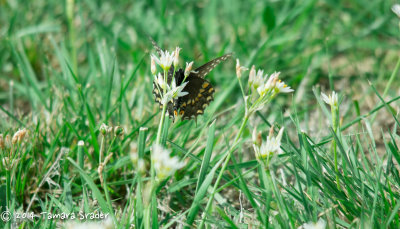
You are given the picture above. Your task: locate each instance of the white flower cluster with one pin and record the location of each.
(164, 164)
(320, 224)
(262, 88)
(268, 148)
(331, 100)
(167, 91)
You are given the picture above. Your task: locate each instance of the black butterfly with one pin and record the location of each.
(200, 91)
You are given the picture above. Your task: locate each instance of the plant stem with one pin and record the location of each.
(8, 188)
(147, 212)
(160, 126)
(334, 111)
(227, 159)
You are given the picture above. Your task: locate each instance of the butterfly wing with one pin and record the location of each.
(206, 68)
(200, 94)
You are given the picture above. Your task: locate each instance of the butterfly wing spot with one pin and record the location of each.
(205, 85)
(210, 90)
(209, 98)
(201, 90)
(182, 112)
(199, 95)
(199, 112)
(204, 105)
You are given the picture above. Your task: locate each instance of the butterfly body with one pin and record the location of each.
(200, 91)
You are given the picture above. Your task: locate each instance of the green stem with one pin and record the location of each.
(227, 159)
(8, 188)
(147, 217)
(334, 111)
(147, 212)
(161, 124)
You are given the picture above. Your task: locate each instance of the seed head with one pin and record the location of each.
(19, 136)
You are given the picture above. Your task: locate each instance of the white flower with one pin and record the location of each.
(396, 9)
(167, 97)
(153, 65)
(177, 91)
(281, 87)
(239, 69)
(106, 224)
(165, 60)
(256, 79)
(176, 56)
(161, 82)
(164, 165)
(321, 224)
(331, 100)
(270, 147)
(188, 68)
(273, 83)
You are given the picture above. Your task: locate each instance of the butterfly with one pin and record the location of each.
(200, 91)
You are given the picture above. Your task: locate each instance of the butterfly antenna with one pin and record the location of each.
(155, 45)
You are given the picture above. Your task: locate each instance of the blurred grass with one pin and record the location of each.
(76, 64)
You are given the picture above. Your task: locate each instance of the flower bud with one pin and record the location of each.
(119, 131)
(153, 66)
(103, 129)
(188, 68)
(81, 143)
(239, 69)
(252, 74)
(176, 57)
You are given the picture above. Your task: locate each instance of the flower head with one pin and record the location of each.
(320, 224)
(164, 165)
(239, 69)
(165, 60)
(331, 100)
(270, 147)
(81, 143)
